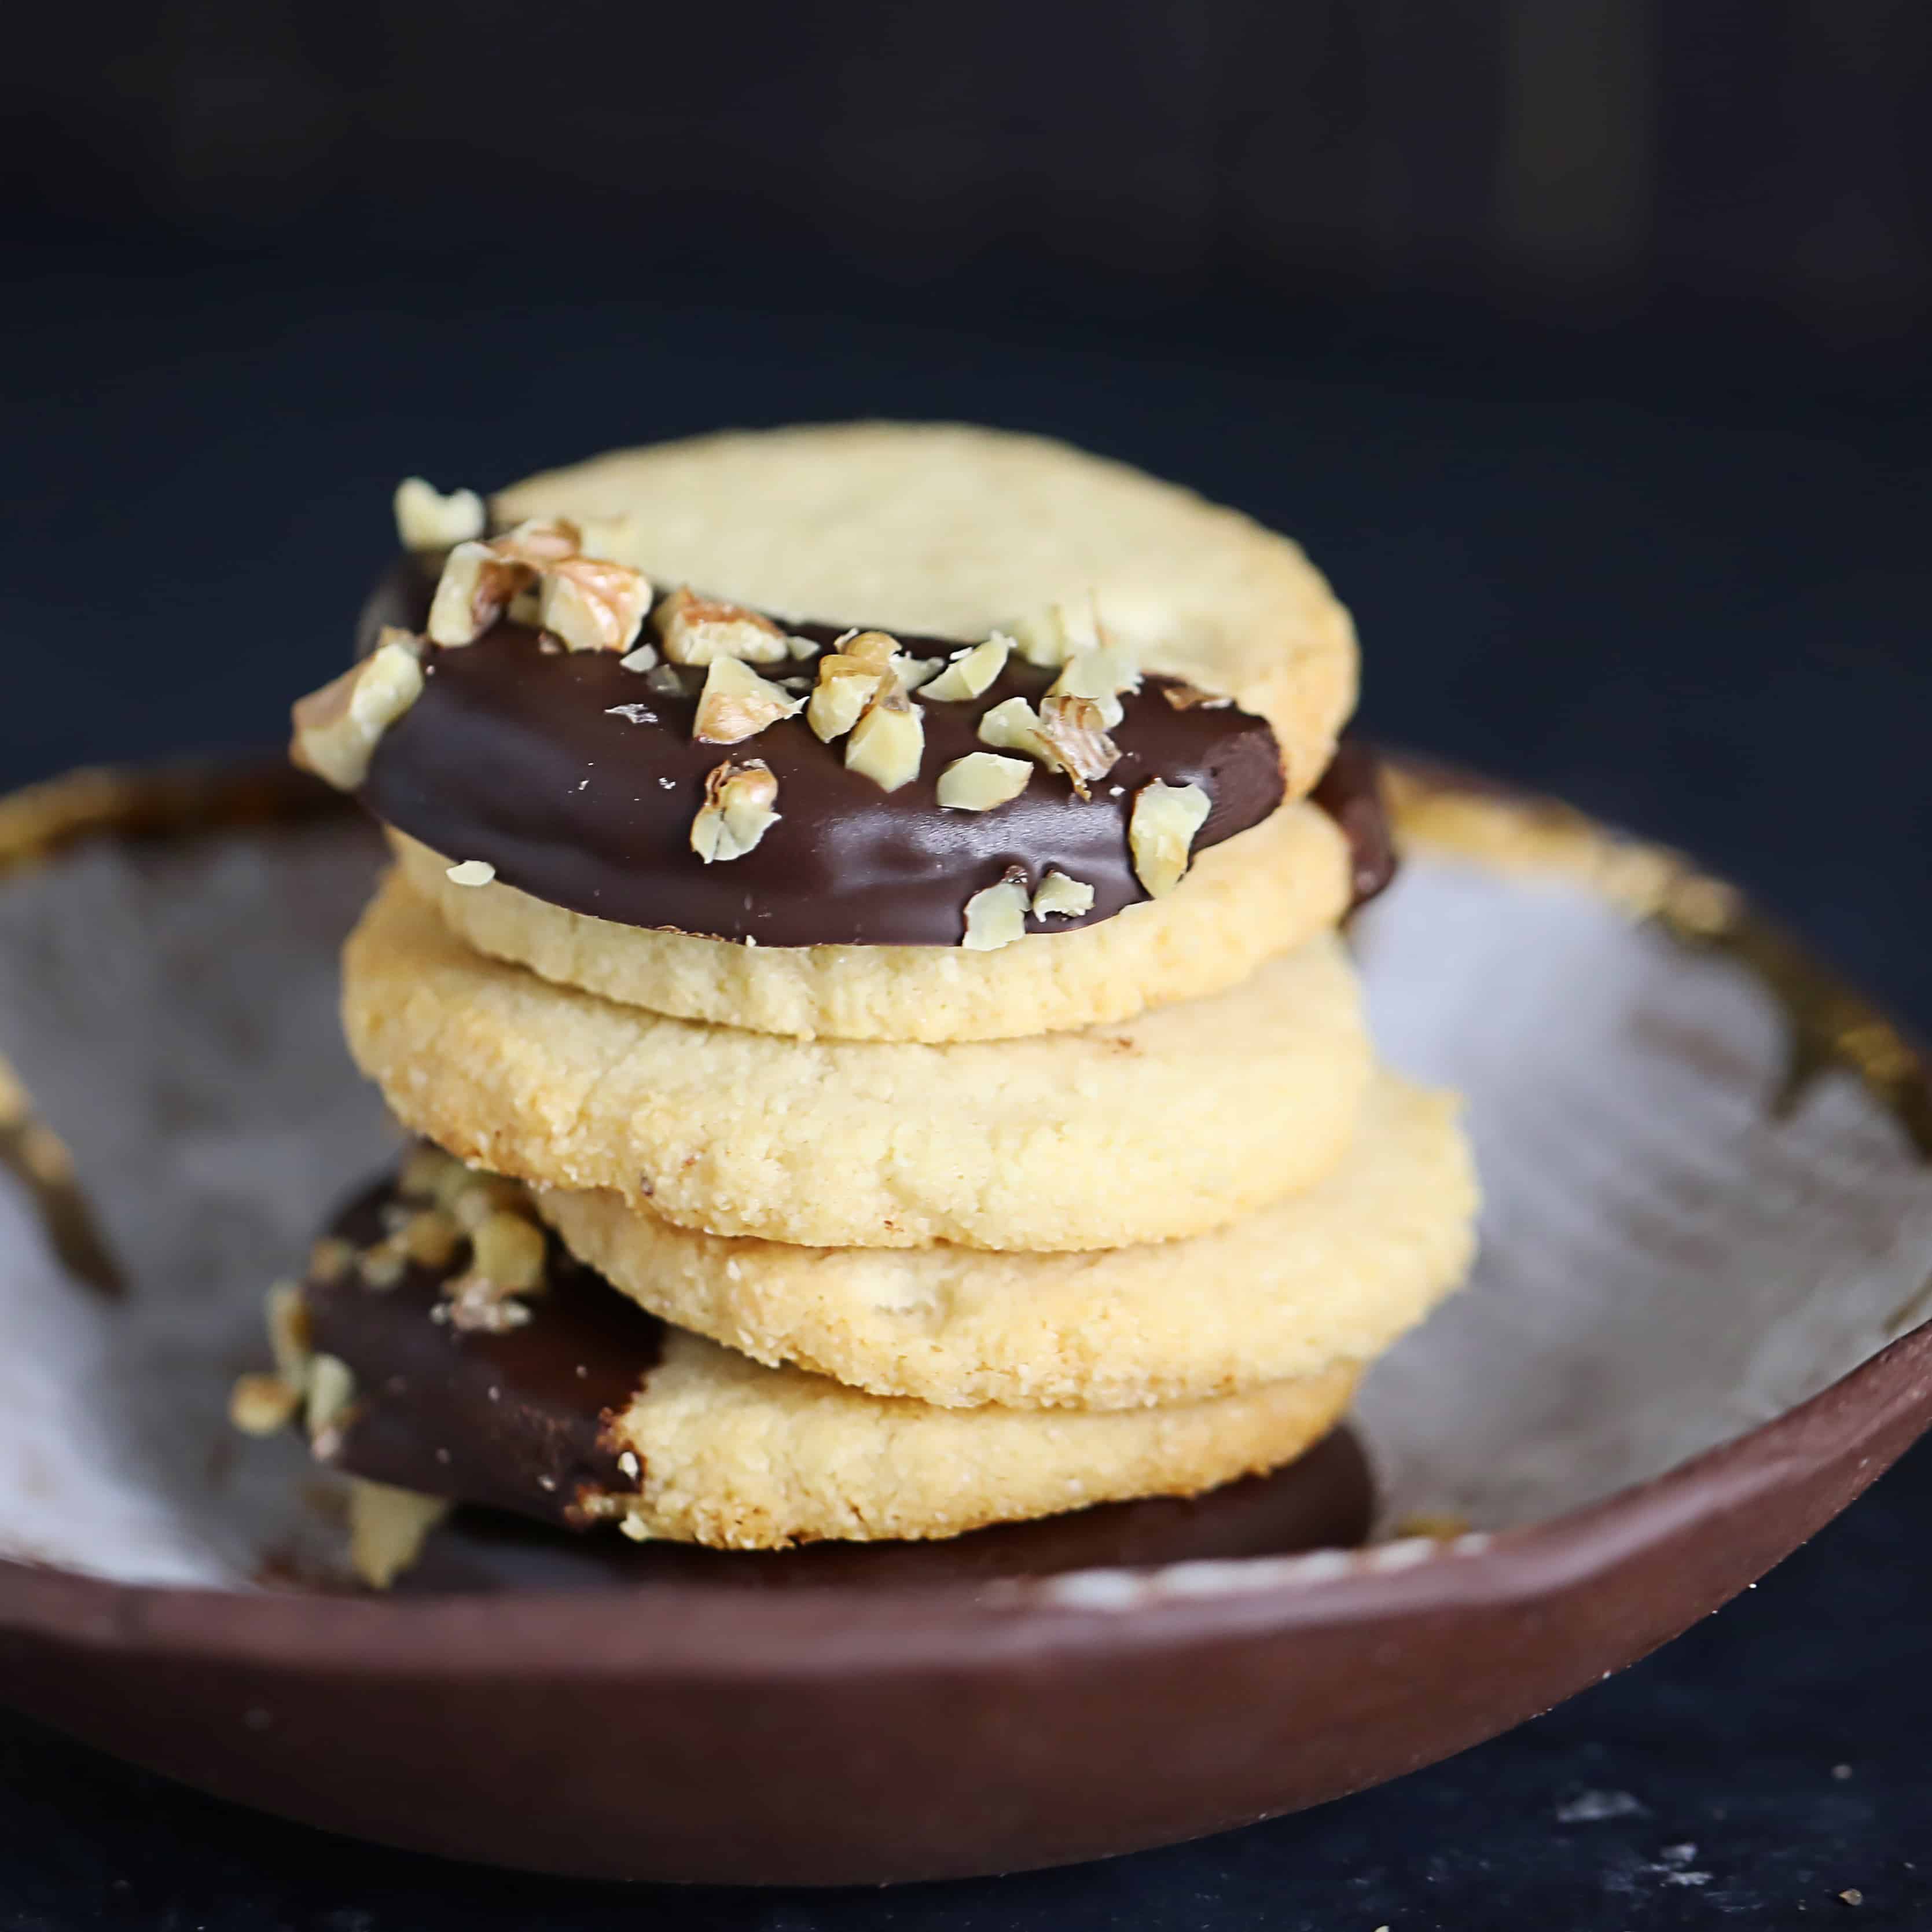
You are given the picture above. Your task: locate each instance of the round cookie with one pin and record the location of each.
(564, 1401)
(743, 1456)
(1265, 891)
(951, 530)
(1198, 1113)
(1334, 1273)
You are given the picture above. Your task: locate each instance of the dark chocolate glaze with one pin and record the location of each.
(519, 1420)
(1351, 792)
(516, 756)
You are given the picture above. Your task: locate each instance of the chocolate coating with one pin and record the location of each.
(518, 1420)
(1351, 792)
(520, 758)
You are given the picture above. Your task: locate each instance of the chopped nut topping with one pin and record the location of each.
(801, 648)
(970, 673)
(740, 808)
(382, 1266)
(261, 1403)
(696, 630)
(330, 1258)
(332, 1388)
(888, 740)
(644, 657)
(429, 1238)
(1186, 697)
(1076, 740)
(475, 589)
(736, 703)
(848, 680)
(337, 728)
(475, 1304)
(428, 519)
(997, 916)
(425, 1168)
(662, 678)
(593, 605)
(915, 673)
(1013, 726)
(1061, 897)
(483, 1195)
(470, 872)
(387, 1527)
(1102, 674)
(508, 1251)
(1161, 832)
(290, 1341)
(982, 780)
(540, 544)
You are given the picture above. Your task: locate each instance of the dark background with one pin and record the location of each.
(1583, 341)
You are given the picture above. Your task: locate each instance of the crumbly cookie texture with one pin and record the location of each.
(1191, 1116)
(946, 530)
(1334, 1273)
(1264, 893)
(743, 1456)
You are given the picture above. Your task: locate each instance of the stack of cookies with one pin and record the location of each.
(863, 963)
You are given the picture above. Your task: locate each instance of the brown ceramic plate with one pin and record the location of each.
(1689, 1345)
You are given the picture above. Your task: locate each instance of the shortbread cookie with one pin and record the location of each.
(561, 710)
(1333, 1274)
(1180, 1122)
(561, 1399)
(1267, 891)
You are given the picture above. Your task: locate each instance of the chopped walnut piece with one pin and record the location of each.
(736, 703)
(482, 1194)
(429, 1238)
(425, 1168)
(1062, 897)
(970, 673)
(470, 872)
(330, 1258)
(644, 657)
(1185, 697)
(387, 1527)
(982, 780)
(332, 1388)
(740, 808)
(261, 1403)
(539, 543)
(383, 1266)
(997, 916)
(888, 740)
(848, 680)
(1160, 834)
(475, 589)
(696, 630)
(474, 1304)
(508, 1251)
(337, 728)
(593, 605)
(290, 1340)
(1013, 726)
(1103, 674)
(428, 519)
(1075, 737)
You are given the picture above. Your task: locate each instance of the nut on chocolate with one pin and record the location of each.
(888, 740)
(996, 917)
(589, 604)
(1160, 835)
(337, 728)
(981, 781)
(736, 703)
(969, 673)
(1061, 896)
(696, 630)
(740, 808)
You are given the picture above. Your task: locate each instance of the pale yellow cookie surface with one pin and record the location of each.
(1264, 893)
(948, 530)
(1174, 1123)
(1334, 1273)
(743, 1457)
